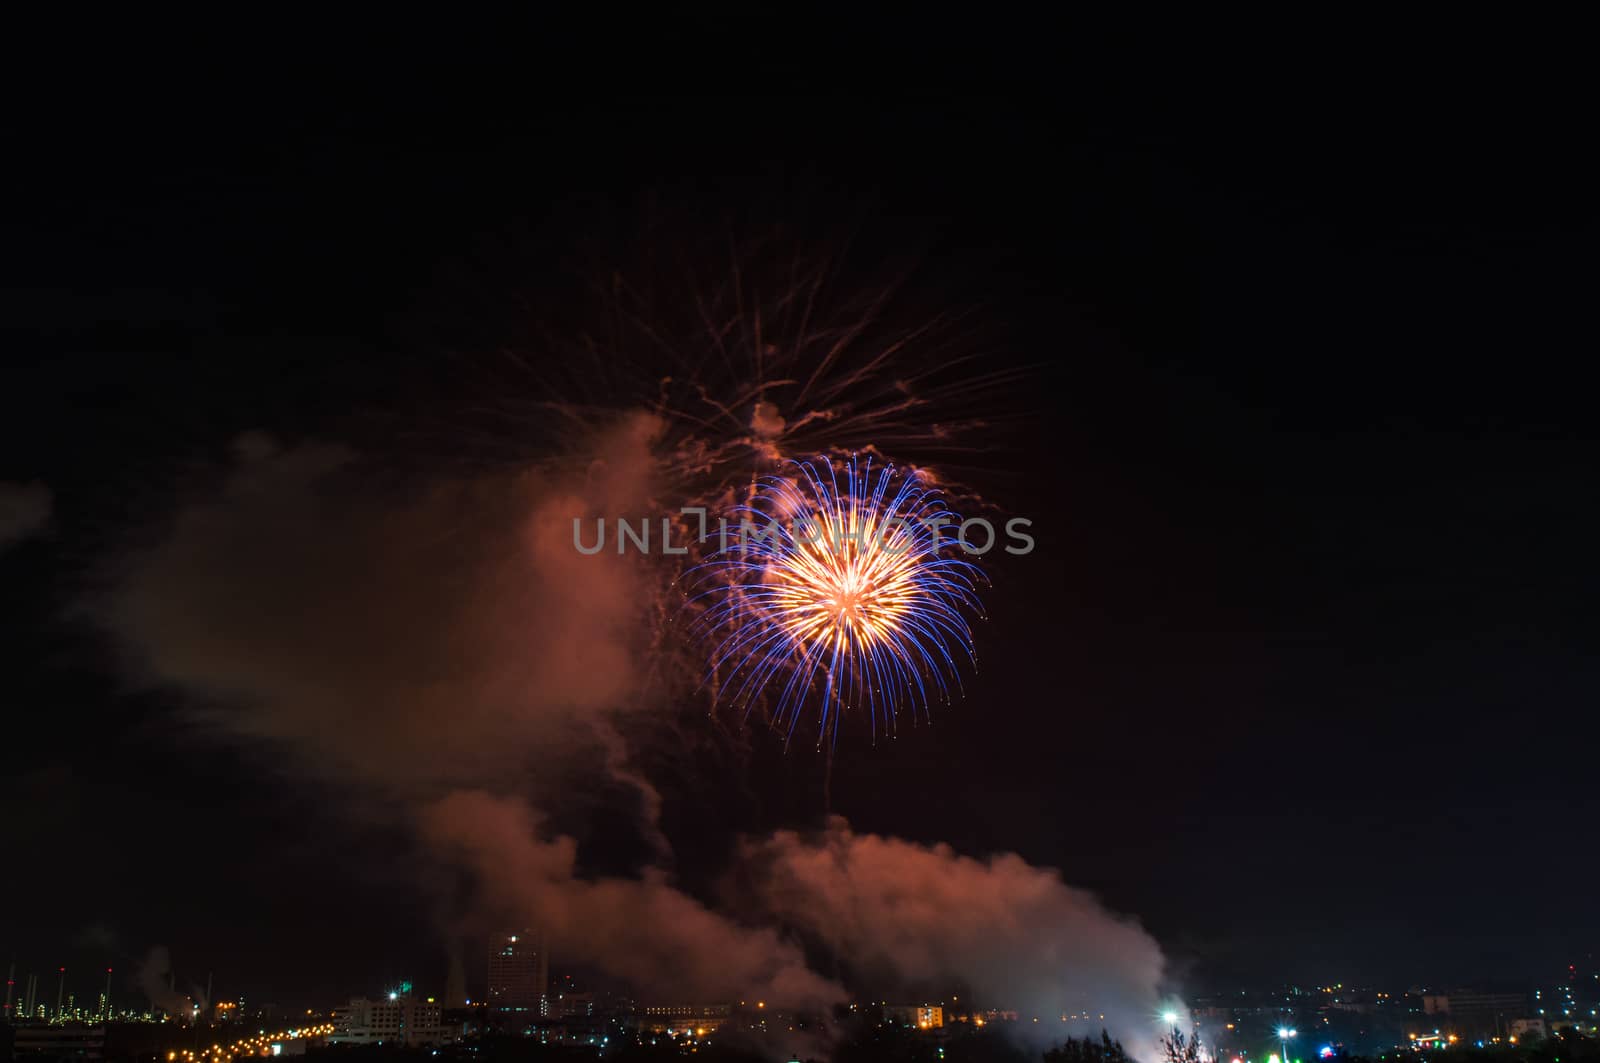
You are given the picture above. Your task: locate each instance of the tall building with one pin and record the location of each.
(519, 974)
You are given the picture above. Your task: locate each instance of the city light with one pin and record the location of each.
(1326, 1042)
(1284, 1033)
(262, 1045)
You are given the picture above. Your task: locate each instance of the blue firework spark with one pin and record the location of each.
(840, 588)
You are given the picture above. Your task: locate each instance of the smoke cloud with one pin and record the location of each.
(412, 639)
(642, 929)
(156, 981)
(1021, 937)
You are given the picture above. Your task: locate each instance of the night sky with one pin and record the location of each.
(1302, 672)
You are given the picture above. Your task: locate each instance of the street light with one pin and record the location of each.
(1284, 1033)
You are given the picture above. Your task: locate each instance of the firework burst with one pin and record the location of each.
(728, 361)
(840, 587)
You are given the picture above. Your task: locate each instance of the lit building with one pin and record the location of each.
(674, 1020)
(519, 974)
(573, 1005)
(397, 1020)
(1572, 1003)
(923, 1017)
(567, 1002)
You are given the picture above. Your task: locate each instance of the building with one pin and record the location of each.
(920, 1016)
(519, 974)
(1474, 1013)
(1571, 1003)
(402, 1020)
(572, 1005)
(695, 1020)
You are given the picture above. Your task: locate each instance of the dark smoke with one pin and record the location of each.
(156, 980)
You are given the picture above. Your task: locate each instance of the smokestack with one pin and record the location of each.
(11, 981)
(105, 1002)
(61, 989)
(33, 989)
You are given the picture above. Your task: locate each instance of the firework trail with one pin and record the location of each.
(742, 360)
(839, 585)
